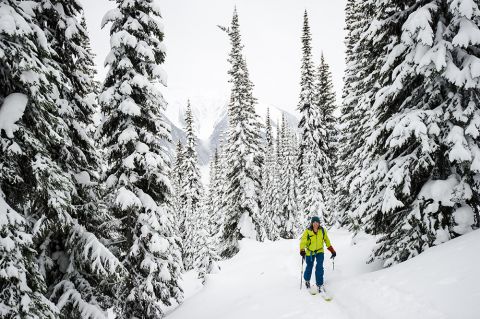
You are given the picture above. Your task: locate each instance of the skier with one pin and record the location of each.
(311, 248)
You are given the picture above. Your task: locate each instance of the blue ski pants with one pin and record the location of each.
(318, 269)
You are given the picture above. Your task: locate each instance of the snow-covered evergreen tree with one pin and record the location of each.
(134, 135)
(421, 184)
(360, 86)
(21, 281)
(206, 256)
(343, 196)
(191, 193)
(269, 183)
(243, 156)
(325, 99)
(278, 144)
(313, 161)
(76, 285)
(215, 223)
(177, 177)
(288, 215)
(36, 177)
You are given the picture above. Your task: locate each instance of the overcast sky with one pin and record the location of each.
(197, 50)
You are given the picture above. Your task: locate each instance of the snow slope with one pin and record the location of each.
(263, 280)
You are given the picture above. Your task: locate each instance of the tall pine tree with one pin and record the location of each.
(177, 177)
(23, 55)
(288, 214)
(215, 189)
(325, 99)
(76, 281)
(243, 157)
(269, 183)
(191, 193)
(313, 161)
(134, 135)
(426, 127)
(360, 86)
(37, 162)
(206, 256)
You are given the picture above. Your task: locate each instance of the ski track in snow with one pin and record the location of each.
(263, 281)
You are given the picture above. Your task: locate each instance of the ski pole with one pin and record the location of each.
(301, 273)
(333, 263)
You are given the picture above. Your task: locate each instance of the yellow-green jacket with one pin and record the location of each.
(313, 243)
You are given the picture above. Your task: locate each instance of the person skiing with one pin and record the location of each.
(311, 248)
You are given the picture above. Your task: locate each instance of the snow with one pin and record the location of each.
(158, 244)
(459, 151)
(123, 38)
(71, 295)
(127, 135)
(160, 73)
(111, 15)
(129, 107)
(469, 34)
(11, 22)
(83, 178)
(439, 190)
(147, 201)
(466, 7)
(7, 215)
(246, 226)
(143, 49)
(464, 218)
(7, 244)
(142, 148)
(417, 27)
(263, 280)
(11, 111)
(126, 199)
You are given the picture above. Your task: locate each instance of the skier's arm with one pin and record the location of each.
(303, 241)
(329, 245)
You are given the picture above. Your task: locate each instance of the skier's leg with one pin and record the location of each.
(319, 269)
(308, 269)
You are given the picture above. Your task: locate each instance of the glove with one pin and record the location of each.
(302, 252)
(334, 253)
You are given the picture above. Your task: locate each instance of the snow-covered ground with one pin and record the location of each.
(263, 281)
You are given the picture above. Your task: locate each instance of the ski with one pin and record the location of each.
(326, 297)
(314, 291)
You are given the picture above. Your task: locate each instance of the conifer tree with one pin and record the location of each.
(269, 182)
(22, 283)
(313, 161)
(278, 145)
(206, 257)
(134, 135)
(75, 283)
(243, 157)
(191, 193)
(288, 212)
(325, 99)
(35, 175)
(425, 127)
(22, 52)
(215, 189)
(177, 177)
(360, 79)
(268, 130)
